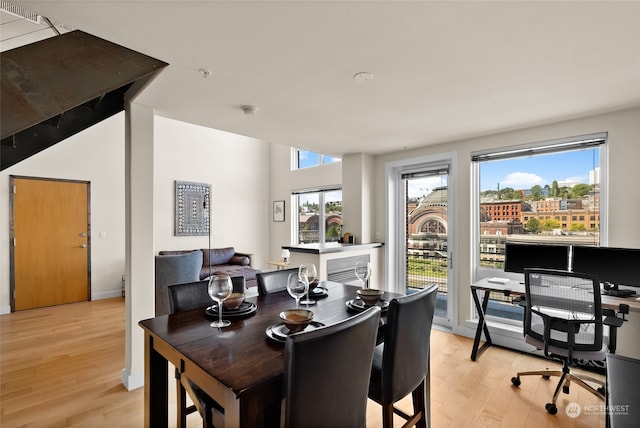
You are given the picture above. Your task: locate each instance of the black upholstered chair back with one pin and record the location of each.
(192, 295)
(326, 373)
(276, 280)
(239, 284)
(405, 355)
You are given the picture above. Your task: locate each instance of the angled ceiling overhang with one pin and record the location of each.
(60, 86)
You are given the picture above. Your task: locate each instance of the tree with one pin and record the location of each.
(555, 189)
(580, 190)
(533, 225)
(536, 192)
(578, 227)
(550, 224)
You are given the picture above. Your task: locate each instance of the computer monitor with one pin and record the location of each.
(617, 266)
(517, 257)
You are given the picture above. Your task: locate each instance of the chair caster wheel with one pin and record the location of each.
(546, 377)
(515, 381)
(551, 408)
(565, 389)
(601, 390)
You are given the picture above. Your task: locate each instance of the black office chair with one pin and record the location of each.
(182, 298)
(563, 317)
(401, 363)
(326, 373)
(269, 282)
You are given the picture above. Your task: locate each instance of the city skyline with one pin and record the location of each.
(526, 172)
(570, 167)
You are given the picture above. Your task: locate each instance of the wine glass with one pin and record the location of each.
(297, 287)
(220, 287)
(309, 271)
(363, 272)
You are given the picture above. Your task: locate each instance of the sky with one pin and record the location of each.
(524, 172)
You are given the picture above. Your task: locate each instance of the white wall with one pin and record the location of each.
(283, 181)
(95, 155)
(237, 168)
(623, 129)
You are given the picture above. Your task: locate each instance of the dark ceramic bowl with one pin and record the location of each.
(296, 319)
(369, 296)
(233, 301)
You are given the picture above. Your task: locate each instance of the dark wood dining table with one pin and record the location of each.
(238, 366)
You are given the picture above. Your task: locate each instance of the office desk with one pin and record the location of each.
(515, 289)
(623, 394)
(237, 366)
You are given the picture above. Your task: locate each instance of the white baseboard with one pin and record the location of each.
(106, 295)
(131, 382)
(94, 296)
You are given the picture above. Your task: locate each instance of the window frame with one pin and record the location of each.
(323, 159)
(542, 147)
(295, 237)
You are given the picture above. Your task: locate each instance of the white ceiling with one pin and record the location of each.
(442, 70)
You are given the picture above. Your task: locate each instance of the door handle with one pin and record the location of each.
(83, 246)
(82, 234)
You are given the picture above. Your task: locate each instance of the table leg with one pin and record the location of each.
(482, 324)
(156, 395)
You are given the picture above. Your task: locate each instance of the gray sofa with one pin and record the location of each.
(174, 269)
(223, 260)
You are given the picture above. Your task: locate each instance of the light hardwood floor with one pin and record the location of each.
(60, 367)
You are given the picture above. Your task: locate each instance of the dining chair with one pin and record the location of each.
(182, 298)
(401, 363)
(563, 317)
(269, 282)
(326, 373)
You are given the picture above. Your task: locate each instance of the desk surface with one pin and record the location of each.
(623, 395)
(517, 288)
(237, 365)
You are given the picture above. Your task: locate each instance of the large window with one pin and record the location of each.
(307, 159)
(545, 194)
(314, 205)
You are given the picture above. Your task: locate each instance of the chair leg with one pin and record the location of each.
(419, 406)
(387, 415)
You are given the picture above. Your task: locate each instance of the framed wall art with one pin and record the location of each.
(278, 210)
(193, 206)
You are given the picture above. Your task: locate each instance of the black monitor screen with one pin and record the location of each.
(619, 266)
(517, 257)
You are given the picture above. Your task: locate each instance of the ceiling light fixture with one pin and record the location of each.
(205, 73)
(363, 76)
(249, 110)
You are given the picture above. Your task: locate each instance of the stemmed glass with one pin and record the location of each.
(220, 287)
(363, 272)
(309, 271)
(297, 286)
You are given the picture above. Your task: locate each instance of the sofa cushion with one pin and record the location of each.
(217, 256)
(240, 260)
(235, 270)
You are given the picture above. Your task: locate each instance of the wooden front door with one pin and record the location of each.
(50, 242)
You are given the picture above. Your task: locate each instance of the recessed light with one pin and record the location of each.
(363, 76)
